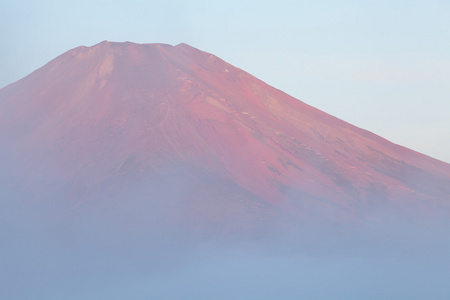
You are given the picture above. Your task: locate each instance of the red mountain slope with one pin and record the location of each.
(117, 113)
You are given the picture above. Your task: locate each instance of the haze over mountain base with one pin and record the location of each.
(129, 252)
(140, 249)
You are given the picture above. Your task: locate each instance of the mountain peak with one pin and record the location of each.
(128, 43)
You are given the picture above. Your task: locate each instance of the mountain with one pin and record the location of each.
(193, 137)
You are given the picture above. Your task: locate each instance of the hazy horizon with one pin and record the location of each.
(54, 251)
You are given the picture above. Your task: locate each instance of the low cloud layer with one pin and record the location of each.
(132, 251)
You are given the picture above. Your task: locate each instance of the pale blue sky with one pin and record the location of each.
(381, 65)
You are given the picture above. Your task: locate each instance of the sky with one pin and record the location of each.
(380, 65)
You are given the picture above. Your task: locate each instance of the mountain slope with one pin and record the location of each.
(97, 119)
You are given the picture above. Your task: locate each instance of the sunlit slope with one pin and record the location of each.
(97, 119)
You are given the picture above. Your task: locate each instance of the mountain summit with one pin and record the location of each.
(155, 121)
